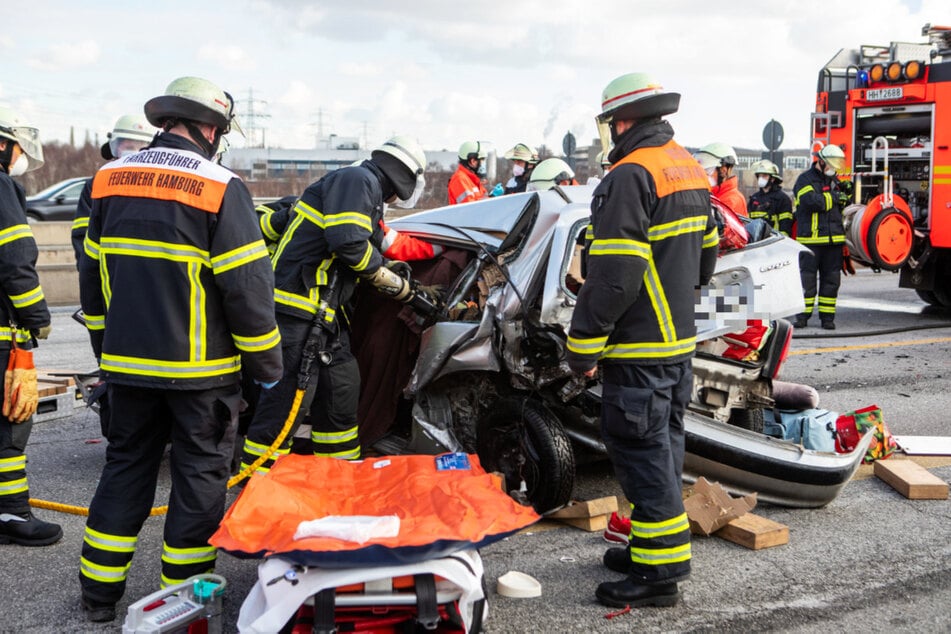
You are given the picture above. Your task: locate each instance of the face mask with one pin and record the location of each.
(410, 202)
(482, 168)
(829, 171)
(517, 170)
(762, 182)
(20, 166)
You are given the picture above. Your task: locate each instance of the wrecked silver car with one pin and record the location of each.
(488, 375)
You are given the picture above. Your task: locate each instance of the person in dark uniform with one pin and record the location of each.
(770, 202)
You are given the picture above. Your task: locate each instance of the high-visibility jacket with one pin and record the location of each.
(273, 218)
(177, 286)
(773, 206)
(728, 192)
(652, 240)
(465, 186)
(18, 279)
(818, 214)
(81, 221)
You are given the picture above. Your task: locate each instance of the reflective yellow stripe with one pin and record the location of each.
(320, 279)
(711, 239)
(335, 436)
(660, 556)
(80, 223)
(693, 224)
(620, 246)
(260, 342)
(28, 298)
(815, 226)
(95, 322)
(650, 350)
(14, 486)
(139, 248)
(786, 215)
(589, 233)
(594, 345)
(15, 463)
(105, 281)
(350, 454)
(197, 324)
(348, 218)
(6, 334)
(265, 222)
(188, 556)
(170, 369)
(236, 257)
(295, 301)
(801, 192)
(655, 290)
(91, 247)
(16, 232)
(649, 530)
(362, 264)
(104, 574)
(288, 234)
(111, 543)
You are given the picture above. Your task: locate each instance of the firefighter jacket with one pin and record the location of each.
(177, 287)
(20, 284)
(772, 205)
(729, 194)
(272, 219)
(818, 214)
(465, 186)
(517, 184)
(652, 240)
(336, 222)
(81, 221)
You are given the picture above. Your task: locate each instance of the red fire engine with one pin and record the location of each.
(889, 109)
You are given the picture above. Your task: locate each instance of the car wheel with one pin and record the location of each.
(32, 217)
(520, 438)
(939, 297)
(751, 419)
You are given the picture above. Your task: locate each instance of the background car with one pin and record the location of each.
(56, 202)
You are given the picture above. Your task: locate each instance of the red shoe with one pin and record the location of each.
(618, 530)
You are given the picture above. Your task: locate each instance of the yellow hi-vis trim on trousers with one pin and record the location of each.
(110, 543)
(650, 530)
(660, 556)
(103, 574)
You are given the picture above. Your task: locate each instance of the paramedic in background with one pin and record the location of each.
(719, 161)
(652, 241)
(172, 375)
(524, 159)
(465, 185)
(770, 202)
(24, 306)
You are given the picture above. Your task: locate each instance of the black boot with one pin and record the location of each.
(828, 324)
(98, 612)
(801, 321)
(26, 530)
(618, 559)
(619, 594)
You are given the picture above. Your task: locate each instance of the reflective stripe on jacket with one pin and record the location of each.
(773, 206)
(465, 186)
(177, 286)
(654, 239)
(818, 215)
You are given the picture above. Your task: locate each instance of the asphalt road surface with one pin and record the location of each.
(871, 560)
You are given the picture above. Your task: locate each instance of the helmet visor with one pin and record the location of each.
(29, 140)
(835, 162)
(604, 133)
(411, 202)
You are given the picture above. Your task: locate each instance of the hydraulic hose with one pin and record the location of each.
(241, 475)
(871, 333)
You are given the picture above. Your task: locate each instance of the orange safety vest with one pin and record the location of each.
(465, 186)
(440, 511)
(730, 195)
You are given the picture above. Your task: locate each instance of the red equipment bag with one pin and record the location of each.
(851, 427)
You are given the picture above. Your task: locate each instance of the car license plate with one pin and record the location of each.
(883, 94)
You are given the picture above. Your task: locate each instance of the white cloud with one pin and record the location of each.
(358, 69)
(59, 57)
(227, 56)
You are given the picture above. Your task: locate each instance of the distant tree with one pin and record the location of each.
(62, 161)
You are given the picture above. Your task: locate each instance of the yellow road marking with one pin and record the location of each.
(869, 346)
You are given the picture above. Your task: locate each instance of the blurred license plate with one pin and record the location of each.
(883, 94)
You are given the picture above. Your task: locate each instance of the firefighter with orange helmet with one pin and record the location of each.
(719, 161)
(769, 202)
(819, 201)
(652, 240)
(465, 185)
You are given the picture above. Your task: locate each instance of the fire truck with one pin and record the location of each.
(889, 109)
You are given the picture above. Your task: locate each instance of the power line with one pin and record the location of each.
(250, 120)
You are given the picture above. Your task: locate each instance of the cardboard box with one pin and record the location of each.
(709, 507)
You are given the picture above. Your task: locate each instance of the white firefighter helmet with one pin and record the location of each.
(715, 155)
(522, 152)
(767, 167)
(833, 156)
(129, 127)
(549, 173)
(636, 96)
(406, 172)
(193, 99)
(472, 149)
(17, 129)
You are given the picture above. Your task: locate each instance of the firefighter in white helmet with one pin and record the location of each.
(24, 317)
(551, 172)
(524, 159)
(819, 199)
(465, 185)
(652, 240)
(174, 250)
(719, 160)
(769, 202)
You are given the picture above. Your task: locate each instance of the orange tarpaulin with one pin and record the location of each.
(440, 511)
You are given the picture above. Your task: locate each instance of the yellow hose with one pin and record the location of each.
(244, 473)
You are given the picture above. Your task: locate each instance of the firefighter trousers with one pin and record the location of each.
(14, 490)
(642, 424)
(332, 399)
(826, 263)
(201, 426)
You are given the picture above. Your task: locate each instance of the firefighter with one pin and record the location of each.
(769, 202)
(335, 231)
(652, 240)
(524, 159)
(176, 308)
(24, 318)
(719, 161)
(551, 172)
(819, 201)
(465, 185)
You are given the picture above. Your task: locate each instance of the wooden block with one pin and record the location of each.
(44, 389)
(755, 532)
(590, 524)
(65, 381)
(911, 480)
(588, 508)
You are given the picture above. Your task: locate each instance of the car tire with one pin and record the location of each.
(31, 218)
(751, 419)
(520, 438)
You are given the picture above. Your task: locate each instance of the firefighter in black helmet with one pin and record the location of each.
(178, 294)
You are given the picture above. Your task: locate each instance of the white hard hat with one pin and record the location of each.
(194, 99)
(411, 162)
(833, 156)
(472, 149)
(549, 173)
(16, 129)
(767, 167)
(715, 155)
(636, 96)
(129, 127)
(522, 152)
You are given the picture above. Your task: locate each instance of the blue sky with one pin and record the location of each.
(444, 72)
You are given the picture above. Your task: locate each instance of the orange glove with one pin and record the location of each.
(847, 266)
(20, 392)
